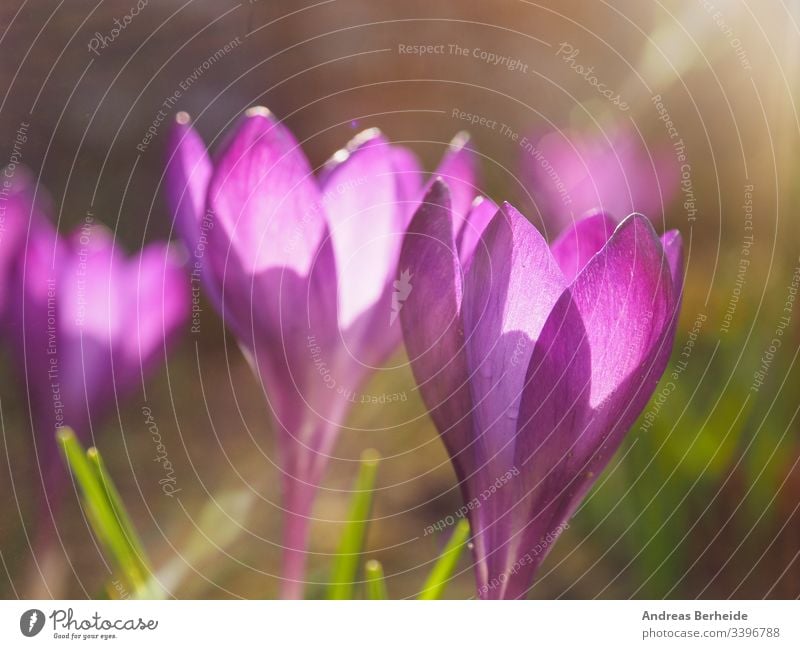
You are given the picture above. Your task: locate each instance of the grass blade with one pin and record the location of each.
(344, 569)
(446, 564)
(115, 500)
(102, 514)
(375, 582)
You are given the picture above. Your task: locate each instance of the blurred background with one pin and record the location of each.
(693, 103)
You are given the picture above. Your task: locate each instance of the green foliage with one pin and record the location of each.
(446, 564)
(106, 513)
(344, 569)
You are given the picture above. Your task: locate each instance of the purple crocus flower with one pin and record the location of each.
(572, 173)
(302, 270)
(534, 361)
(87, 326)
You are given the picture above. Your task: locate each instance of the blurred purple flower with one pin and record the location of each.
(302, 271)
(86, 326)
(534, 362)
(570, 174)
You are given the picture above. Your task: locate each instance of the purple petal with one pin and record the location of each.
(366, 225)
(188, 173)
(265, 199)
(478, 218)
(91, 274)
(510, 289)
(593, 370)
(625, 297)
(553, 411)
(431, 323)
(673, 249)
(581, 241)
(162, 305)
(458, 169)
(408, 173)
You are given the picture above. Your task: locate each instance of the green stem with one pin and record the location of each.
(375, 581)
(345, 564)
(106, 513)
(446, 564)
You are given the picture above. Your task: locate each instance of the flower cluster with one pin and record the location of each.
(534, 360)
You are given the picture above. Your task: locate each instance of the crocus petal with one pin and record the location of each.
(408, 173)
(510, 289)
(187, 175)
(581, 241)
(458, 169)
(270, 248)
(432, 326)
(590, 376)
(553, 411)
(478, 218)
(625, 297)
(91, 273)
(158, 281)
(265, 199)
(361, 201)
(673, 249)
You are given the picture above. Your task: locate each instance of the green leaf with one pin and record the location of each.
(115, 500)
(105, 516)
(344, 569)
(375, 582)
(446, 564)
